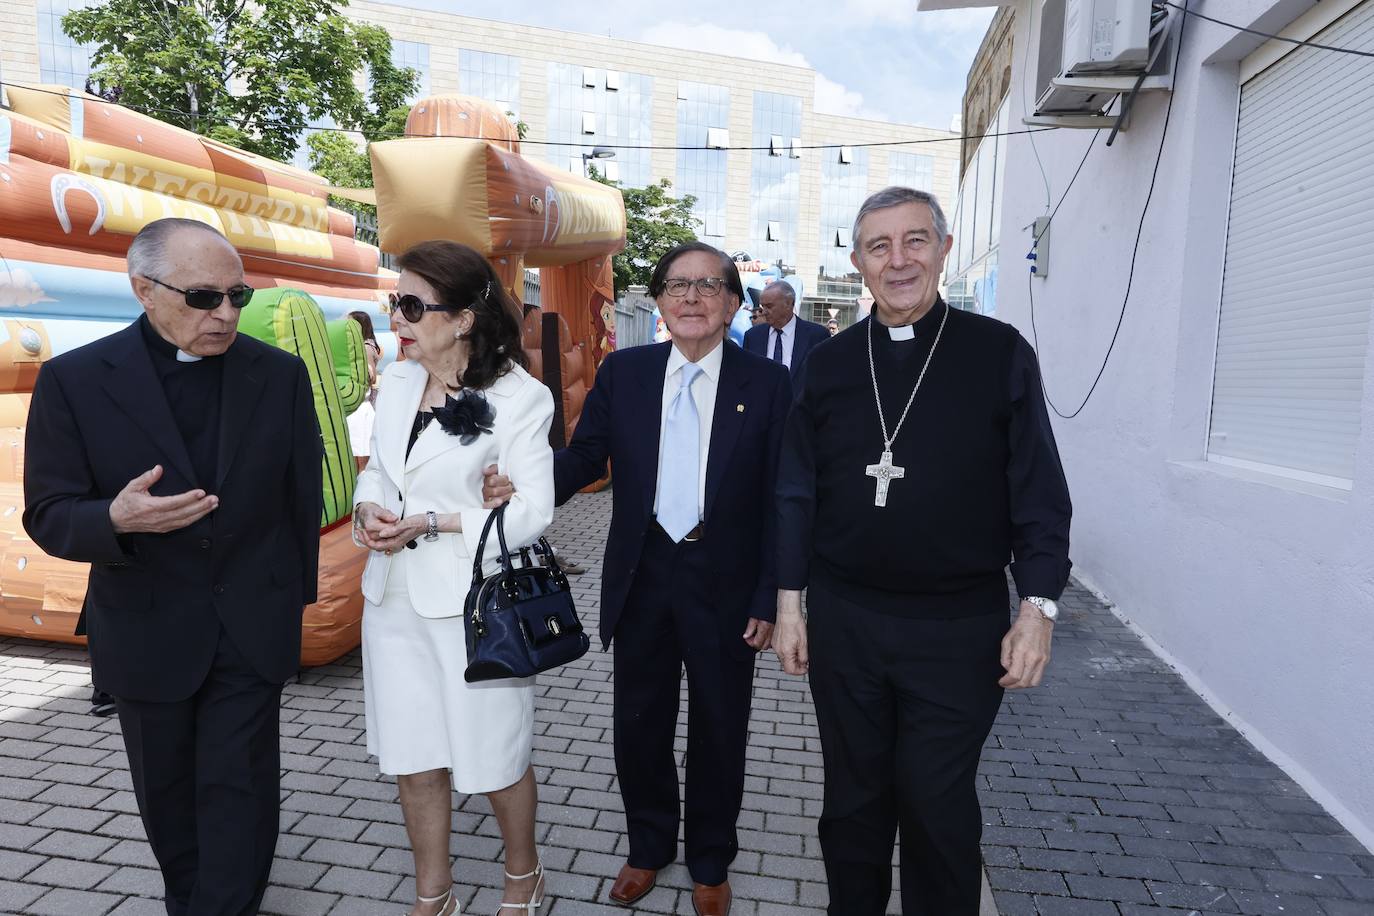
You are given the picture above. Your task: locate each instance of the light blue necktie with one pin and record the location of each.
(681, 466)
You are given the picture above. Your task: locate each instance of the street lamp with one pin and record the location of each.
(598, 152)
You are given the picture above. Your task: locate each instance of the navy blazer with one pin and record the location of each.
(621, 421)
(808, 335)
(155, 603)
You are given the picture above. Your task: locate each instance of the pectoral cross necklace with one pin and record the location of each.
(885, 471)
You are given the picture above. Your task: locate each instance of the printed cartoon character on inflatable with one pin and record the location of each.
(78, 178)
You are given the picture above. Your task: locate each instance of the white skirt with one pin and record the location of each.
(422, 715)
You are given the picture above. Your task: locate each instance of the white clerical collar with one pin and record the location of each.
(902, 332)
(184, 357)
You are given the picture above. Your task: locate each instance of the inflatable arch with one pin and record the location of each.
(459, 175)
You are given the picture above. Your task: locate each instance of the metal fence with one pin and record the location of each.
(365, 230)
(634, 319)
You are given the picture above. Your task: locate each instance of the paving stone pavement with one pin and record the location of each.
(1112, 789)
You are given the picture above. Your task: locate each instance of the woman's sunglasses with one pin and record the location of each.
(413, 308)
(209, 299)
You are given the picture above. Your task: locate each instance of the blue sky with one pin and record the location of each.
(874, 58)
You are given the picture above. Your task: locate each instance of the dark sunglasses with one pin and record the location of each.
(413, 308)
(209, 299)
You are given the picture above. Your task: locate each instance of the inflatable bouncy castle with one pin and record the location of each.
(78, 178)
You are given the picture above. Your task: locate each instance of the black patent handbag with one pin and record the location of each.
(521, 620)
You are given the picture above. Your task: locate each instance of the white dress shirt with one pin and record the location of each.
(704, 395)
(789, 339)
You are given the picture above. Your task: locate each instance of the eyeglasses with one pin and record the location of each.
(413, 308)
(706, 286)
(209, 299)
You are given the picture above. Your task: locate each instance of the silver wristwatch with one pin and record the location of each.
(1046, 606)
(431, 526)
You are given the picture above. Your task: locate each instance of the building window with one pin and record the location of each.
(971, 269)
(581, 116)
(775, 180)
(612, 81)
(413, 54)
(494, 77)
(703, 111)
(846, 155)
(1293, 334)
(795, 148)
(911, 170)
(844, 185)
(60, 59)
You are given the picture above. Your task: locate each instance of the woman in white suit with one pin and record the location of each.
(460, 401)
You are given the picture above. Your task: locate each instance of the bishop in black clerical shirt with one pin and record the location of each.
(918, 461)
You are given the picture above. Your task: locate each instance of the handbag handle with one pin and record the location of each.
(496, 517)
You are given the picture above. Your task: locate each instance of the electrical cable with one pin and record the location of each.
(583, 145)
(1135, 249)
(1292, 41)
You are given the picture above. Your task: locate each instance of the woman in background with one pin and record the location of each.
(360, 420)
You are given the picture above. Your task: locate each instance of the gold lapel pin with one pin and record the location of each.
(739, 407)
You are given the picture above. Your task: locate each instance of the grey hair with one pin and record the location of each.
(147, 255)
(894, 197)
(788, 291)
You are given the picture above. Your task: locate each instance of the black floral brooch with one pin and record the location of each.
(466, 416)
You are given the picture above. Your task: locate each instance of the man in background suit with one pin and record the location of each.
(784, 336)
(692, 429)
(182, 461)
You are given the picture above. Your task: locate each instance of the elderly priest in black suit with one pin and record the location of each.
(182, 461)
(918, 459)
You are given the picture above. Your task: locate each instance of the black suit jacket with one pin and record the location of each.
(155, 602)
(808, 335)
(621, 421)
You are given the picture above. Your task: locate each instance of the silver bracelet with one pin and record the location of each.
(431, 526)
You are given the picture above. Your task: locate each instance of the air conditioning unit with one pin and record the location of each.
(1092, 51)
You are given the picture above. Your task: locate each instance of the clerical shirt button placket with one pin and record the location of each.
(219, 589)
(204, 543)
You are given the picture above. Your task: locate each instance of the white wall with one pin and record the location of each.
(1261, 589)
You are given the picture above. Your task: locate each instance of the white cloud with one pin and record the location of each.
(831, 97)
(717, 39)
(18, 288)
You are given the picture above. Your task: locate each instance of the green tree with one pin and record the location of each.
(253, 74)
(344, 162)
(655, 221)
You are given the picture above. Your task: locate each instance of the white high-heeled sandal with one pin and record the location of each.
(532, 906)
(443, 900)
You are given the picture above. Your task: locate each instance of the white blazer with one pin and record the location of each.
(444, 476)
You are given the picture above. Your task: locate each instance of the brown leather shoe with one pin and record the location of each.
(711, 901)
(632, 884)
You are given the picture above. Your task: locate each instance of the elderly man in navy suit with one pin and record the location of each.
(693, 431)
(784, 336)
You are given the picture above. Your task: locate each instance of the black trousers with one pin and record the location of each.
(670, 623)
(904, 706)
(206, 773)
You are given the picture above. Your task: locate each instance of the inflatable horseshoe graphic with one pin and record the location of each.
(61, 184)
